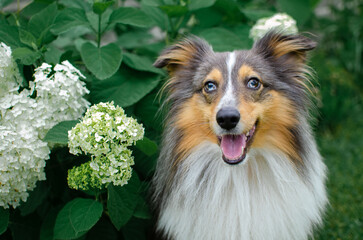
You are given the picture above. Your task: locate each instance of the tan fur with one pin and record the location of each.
(194, 122)
(276, 115)
(246, 71)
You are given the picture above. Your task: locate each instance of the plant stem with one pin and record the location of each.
(99, 30)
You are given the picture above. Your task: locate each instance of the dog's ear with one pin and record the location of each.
(188, 52)
(286, 48)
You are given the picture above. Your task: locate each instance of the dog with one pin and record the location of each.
(238, 158)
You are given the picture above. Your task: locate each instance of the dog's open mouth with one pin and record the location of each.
(235, 147)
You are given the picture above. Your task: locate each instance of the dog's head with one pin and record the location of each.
(238, 100)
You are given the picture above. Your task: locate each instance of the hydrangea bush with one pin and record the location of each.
(105, 132)
(55, 95)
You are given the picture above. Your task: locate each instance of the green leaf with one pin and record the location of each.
(40, 23)
(148, 110)
(125, 88)
(140, 63)
(52, 55)
(299, 10)
(10, 36)
(47, 227)
(36, 197)
(134, 39)
(27, 38)
(174, 10)
(223, 40)
(157, 16)
(4, 3)
(26, 55)
(102, 62)
(256, 14)
(147, 146)
(76, 218)
(100, 7)
(59, 133)
(69, 18)
(194, 5)
(153, 3)
(93, 19)
(122, 201)
(131, 16)
(4, 219)
(33, 8)
(142, 210)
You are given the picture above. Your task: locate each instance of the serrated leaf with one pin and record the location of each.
(76, 218)
(122, 201)
(59, 133)
(195, 5)
(100, 7)
(69, 18)
(223, 40)
(147, 146)
(140, 63)
(26, 55)
(125, 88)
(4, 219)
(102, 62)
(174, 10)
(131, 16)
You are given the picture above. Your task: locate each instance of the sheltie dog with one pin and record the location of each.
(238, 158)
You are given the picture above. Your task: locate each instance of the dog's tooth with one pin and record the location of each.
(248, 134)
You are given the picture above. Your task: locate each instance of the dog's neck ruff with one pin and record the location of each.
(263, 198)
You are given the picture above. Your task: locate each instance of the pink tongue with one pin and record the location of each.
(232, 145)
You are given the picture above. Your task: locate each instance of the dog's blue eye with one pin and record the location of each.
(253, 83)
(210, 87)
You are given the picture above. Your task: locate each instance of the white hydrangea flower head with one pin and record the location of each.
(9, 72)
(280, 22)
(104, 133)
(22, 162)
(59, 94)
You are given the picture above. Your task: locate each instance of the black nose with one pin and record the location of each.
(228, 118)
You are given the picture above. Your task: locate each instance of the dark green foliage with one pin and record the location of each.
(4, 220)
(76, 218)
(122, 201)
(59, 133)
(112, 46)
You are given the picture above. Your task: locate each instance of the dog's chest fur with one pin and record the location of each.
(265, 198)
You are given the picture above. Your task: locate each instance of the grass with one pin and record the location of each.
(343, 153)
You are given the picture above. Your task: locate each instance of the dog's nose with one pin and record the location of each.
(228, 118)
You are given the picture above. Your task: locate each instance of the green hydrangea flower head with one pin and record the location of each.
(105, 132)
